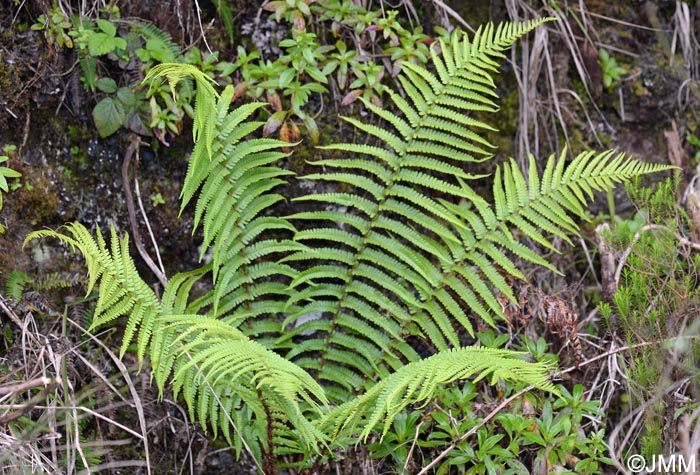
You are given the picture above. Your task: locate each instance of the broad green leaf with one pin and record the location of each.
(109, 115)
(107, 85)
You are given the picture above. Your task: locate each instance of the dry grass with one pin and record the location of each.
(57, 393)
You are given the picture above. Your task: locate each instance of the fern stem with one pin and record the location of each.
(269, 454)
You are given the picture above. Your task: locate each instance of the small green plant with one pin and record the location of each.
(5, 173)
(56, 27)
(157, 199)
(612, 72)
(288, 82)
(323, 326)
(124, 49)
(535, 435)
(655, 310)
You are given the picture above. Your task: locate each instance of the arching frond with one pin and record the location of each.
(220, 362)
(417, 382)
(120, 288)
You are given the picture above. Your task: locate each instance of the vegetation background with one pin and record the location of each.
(621, 319)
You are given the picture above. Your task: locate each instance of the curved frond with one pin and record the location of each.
(417, 383)
(121, 290)
(215, 355)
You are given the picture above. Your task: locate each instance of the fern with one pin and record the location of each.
(157, 36)
(417, 382)
(15, 284)
(406, 263)
(305, 338)
(121, 290)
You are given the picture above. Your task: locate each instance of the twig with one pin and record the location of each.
(10, 313)
(13, 316)
(18, 388)
(5, 418)
(134, 394)
(145, 219)
(623, 259)
(25, 132)
(133, 146)
(453, 14)
(413, 446)
(201, 28)
(113, 465)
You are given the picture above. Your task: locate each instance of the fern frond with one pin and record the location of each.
(218, 354)
(544, 202)
(15, 283)
(152, 33)
(204, 99)
(232, 187)
(425, 149)
(417, 382)
(121, 289)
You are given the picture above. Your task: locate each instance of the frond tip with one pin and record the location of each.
(544, 202)
(122, 291)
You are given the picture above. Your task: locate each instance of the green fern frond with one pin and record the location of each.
(120, 287)
(545, 202)
(417, 382)
(219, 354)
(204, 99)
(152, 33)
(15, 284)
(425, 149)
(231, 178)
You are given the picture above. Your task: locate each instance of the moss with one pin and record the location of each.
(35, 196)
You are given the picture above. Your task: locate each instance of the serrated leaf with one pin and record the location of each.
(107, 26)
(159, 50)
(89, 67)
(101, 43)
(109, 115)
(286, 77)
(107, 85)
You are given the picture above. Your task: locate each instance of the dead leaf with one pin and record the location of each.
(351, 97)
(273, 123)
(275, 101)
(239, 89)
